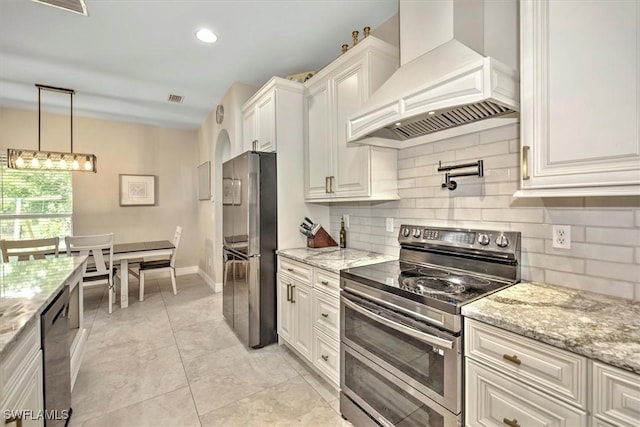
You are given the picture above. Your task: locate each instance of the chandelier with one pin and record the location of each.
(19, 158)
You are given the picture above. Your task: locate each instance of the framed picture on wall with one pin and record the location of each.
(231, 191)
(204, 181)
(137, 190)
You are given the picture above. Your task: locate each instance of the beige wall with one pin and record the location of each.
(218, 143)
(605, 231)
(122, 148)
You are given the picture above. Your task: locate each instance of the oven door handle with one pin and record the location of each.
(421, 336)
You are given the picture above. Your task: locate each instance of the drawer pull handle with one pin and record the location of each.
(324, 282)
(511, 423)
(325, 358)
(512, 359)
(325, 315)
(289, 269)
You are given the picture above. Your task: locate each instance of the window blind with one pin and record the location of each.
(35, 203)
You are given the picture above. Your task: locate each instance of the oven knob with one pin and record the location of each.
(483, 239)
(406, 232)
(502, 241)
(416, 233)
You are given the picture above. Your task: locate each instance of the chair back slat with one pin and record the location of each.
(29, 248)
(99, 249)
(176, 243)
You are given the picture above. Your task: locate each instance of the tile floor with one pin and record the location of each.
(173, 361)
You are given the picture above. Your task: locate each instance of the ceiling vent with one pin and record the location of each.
(75, 6)
(176, 98)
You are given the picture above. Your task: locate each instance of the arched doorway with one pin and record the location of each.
(222, 153)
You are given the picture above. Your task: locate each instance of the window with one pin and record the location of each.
(35, 204)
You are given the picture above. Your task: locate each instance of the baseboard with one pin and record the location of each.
(217, 287)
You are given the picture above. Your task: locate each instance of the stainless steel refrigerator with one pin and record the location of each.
(249, 224)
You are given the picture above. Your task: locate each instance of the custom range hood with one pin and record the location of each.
(458, 74)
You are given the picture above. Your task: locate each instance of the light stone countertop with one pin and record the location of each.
(597, 326)
(26, 288)
(333, 258)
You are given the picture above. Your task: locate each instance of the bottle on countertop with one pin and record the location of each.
(343, 234)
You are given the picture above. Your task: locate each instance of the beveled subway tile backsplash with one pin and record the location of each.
(605, 233)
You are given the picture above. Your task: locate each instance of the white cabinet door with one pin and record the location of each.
(303, 321)
(248, 128)
(616, 395)
(285, 309)
(266, 122)
(580, 98)
(496, 400)
(318, 146)
(351, 168)
(28, 394)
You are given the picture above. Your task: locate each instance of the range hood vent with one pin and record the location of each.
(429, 123)
(452, 79)
(75, 6)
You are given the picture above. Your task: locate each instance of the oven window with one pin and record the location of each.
(419, 361)
(394, 404)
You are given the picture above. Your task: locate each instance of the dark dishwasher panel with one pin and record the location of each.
(54, 323)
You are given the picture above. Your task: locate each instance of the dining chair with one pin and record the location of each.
(162, 265)
(98, 270)
(29, 248)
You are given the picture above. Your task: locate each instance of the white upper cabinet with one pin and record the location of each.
(259, 115)
(335, 171)
(580, 95)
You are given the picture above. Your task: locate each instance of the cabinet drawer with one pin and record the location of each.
(326, 281)
(326, 314)
(295, 269)
(18, 358)
(616, 395)
(496, 400)
(545, 367)
(326, 356)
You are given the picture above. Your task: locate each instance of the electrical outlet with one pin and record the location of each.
(390, 225)
(346, 221)
(562, 236)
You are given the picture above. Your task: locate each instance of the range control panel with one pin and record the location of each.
(491, 240)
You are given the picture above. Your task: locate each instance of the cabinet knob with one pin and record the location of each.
(289, 269)
(325, 315)
(511, 423)
(512, 359)
(325, 357)
(324, 282)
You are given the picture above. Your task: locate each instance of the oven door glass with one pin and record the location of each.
(424, 357)
(388, 400)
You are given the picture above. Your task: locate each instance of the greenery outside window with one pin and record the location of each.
(35, 203)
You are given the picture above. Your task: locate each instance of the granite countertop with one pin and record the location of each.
(333, 258)
(597, 326)
(26, 287)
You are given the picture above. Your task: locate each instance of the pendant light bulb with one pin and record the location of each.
(20, 161)
(62, 164)
(75, 165)
(48, 163)
(34, 161)
(87, 164)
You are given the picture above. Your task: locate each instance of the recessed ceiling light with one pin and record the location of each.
(398, 123)
(431, 113)
(206, 35)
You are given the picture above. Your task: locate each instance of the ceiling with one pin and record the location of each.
(127, 56)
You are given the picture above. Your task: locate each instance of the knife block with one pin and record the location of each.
(321, 239)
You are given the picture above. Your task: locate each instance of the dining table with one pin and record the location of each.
(126, 252)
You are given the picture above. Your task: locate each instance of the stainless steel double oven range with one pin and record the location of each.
(401, 328)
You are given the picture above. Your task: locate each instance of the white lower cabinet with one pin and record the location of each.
(517, 381)
(616, 396)
(21, 392)
(501, 401)
(294, 306)
(309, 315)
